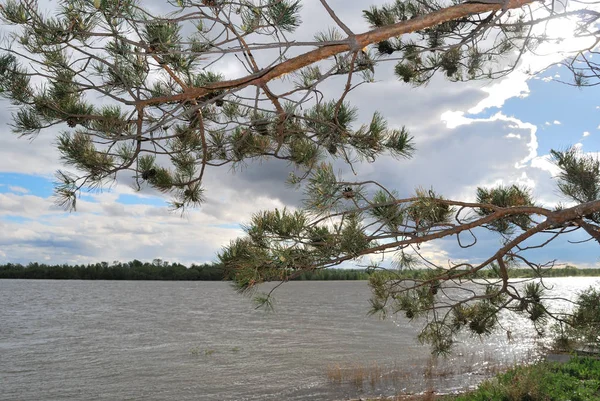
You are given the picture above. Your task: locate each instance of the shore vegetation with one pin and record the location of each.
(164, 270)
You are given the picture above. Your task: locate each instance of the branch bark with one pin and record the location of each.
(353, 43)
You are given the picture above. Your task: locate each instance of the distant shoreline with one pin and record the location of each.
(159, 270)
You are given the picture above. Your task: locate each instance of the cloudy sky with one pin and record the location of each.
(467, 135)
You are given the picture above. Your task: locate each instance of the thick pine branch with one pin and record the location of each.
(354, 44)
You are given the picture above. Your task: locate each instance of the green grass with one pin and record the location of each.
(576, 380)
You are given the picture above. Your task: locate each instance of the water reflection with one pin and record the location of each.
(74, 340)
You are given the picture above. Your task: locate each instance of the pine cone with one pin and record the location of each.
(149, 174)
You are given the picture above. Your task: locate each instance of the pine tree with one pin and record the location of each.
(137, 93)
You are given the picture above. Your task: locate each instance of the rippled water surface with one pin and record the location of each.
(135, 340)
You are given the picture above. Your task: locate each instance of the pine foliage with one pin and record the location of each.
(143, 95)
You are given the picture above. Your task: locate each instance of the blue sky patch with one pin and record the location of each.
(15, 219)
(488, 112)
(35, 184)
(128, 199)
(574, 109)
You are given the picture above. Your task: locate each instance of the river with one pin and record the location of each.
(144, 340)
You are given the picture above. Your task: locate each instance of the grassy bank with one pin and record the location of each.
(576, 380)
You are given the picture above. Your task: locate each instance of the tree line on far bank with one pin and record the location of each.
(163, 270)
(155, 270)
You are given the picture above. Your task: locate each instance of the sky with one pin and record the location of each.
(467, 135)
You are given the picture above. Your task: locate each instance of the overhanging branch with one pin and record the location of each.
(352, 44)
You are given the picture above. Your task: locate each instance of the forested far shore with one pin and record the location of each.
(163, 270)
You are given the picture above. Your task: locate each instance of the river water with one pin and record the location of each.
(143, 340)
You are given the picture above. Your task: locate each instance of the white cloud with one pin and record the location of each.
(18, 189)
(544, 163)
(435, 253)
(103, 229)
(556, 122)
(586, 133)
(455, 119)
(498, 93)
(548, 53)
(20, 155)
(524, 180)
(28, 206)
(94, 234)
